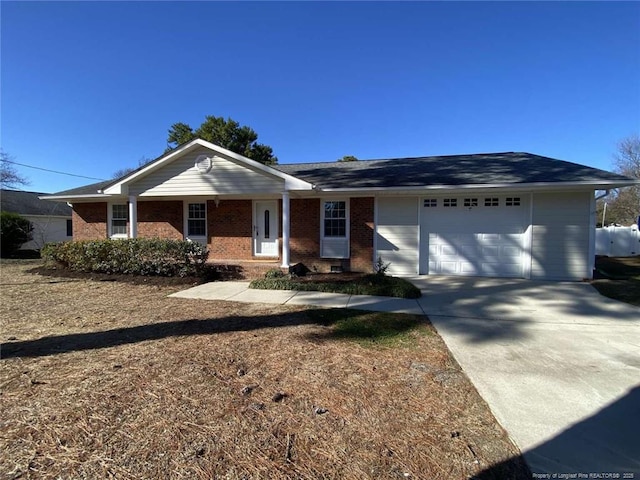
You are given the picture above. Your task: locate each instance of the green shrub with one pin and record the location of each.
(15, 231)
(372, 284)
(274, 273)
(136, 256)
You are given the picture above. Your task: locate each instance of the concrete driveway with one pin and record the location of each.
(558, 364)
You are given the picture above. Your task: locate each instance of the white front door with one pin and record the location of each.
(265, 228)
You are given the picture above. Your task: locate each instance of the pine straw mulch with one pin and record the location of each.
(116, 380)
(618, 278)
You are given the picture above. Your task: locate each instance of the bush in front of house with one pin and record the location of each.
(135, 256)
(15, 231)
(371, 284)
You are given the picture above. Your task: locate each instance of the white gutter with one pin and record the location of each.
(95, 196)
(487, 186)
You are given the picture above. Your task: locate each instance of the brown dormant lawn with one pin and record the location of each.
(113, 379)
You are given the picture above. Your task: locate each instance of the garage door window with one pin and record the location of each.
(450, 202)
(491, 202)
(470, 202)
(512, 202)
(431, 202)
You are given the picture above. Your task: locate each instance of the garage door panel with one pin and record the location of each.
(481, 240)
(468, 268)
(511, 251)
(448, 267)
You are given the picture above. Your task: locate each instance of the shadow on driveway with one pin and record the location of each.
(610, 437)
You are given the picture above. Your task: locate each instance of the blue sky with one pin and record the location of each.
(92, 87)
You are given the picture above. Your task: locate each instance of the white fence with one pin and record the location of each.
(618, 241)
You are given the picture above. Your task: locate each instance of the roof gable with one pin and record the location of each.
(250, 171)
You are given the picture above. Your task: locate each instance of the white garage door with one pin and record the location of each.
(473, 235)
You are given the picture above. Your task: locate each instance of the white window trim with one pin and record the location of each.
(110, 219)
(346, 238)
(185, 209)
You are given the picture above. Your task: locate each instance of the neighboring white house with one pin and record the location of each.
(614, 241)
(51, 221)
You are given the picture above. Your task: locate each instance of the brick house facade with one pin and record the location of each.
(229, 229)
(509, 214)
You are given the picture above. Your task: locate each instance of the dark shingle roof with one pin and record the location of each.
(28, 203)
(475, 169)
(91, 189)
(508, 168)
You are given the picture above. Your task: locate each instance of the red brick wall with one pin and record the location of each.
(89, 221)
(229, 226)
(304, 232)
(161, 219)
(305, 235)
(361, 224)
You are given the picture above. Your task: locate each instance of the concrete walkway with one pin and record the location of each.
(558, 364)
(240, 292)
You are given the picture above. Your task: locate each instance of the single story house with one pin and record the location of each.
(500, 214)
(51, 221)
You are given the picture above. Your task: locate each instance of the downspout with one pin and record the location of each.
(605, 194)
(592, 233)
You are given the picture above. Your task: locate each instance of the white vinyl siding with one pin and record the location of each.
(181, 177)
(334, 228)
(561, 236)
(397, 234)
(46, 230)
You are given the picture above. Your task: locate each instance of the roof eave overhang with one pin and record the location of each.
(539, 186)
(70, 198)
(121, 187)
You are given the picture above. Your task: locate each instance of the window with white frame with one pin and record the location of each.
(197, 220)
(491, 202)
(450, 202)
(512, 202)
(335, 219)
(430, 202)
(334, 241)
(119, 217)
(470, 202)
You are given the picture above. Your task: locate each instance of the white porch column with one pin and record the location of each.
(285, 229)
(133, 216)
